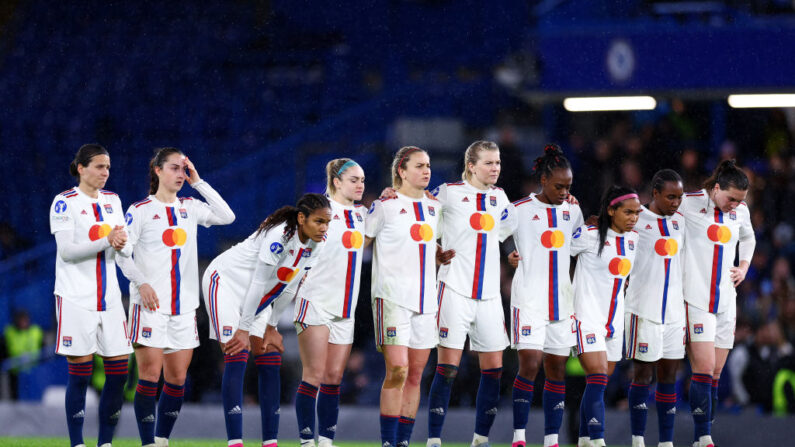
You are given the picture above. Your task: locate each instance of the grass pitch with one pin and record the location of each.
(129, 442)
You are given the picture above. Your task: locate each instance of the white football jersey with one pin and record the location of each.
(655, 287)
(599, 280)
(91, 283)
(541, 284)
(474, 223)
(712, 238)
(333, 283)
(404, 256)
(164, 237)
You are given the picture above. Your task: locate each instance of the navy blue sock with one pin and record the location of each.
(75, 402)
(594, 402)
(270, 387)
(638, 410)
(232, 393)
(522, 396)
(168, 408)
(714, 408)
(328, 410)
(404, 429)
(554, 406)
(487, 399)
(112, 398)
(665, 398)
(439, 398)
(389, 425)
(700, 403)
(144, 405)
(583, 421)
(305, 399)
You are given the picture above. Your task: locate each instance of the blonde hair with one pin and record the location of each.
(472, 155)
(333, 171)
(401, 162)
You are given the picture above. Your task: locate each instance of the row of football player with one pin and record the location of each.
(412, 312)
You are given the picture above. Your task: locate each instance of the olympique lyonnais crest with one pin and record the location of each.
(493, 200)
(676, 224)
(631, 245)
(643, 347)
(108, 208)
(359, 217)
(431, 211)
(146, 332)
(566, 215)
(443, 332)
(698, 328)
(183, 212)
(227, 331)
(590, 339)
(732, 215)
(526, 330)
(391, 331)
(67, 341)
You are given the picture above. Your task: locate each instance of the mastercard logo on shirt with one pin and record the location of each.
(97, 232)
(352, 239)
(666, 247)
(719, 233)
(481, 221)
(175, 236)
(620, 266)
(286, 274)
(552, 239)
(421, 233)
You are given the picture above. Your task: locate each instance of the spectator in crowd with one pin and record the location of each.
(23, 342)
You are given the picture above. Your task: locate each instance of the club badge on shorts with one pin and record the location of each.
(67, 341)
(227, 331)
(146, 332)
(526, 330)
(443, 332)
(590, 339)
(391, 331)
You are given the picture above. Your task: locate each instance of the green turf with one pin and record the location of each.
(127, 442)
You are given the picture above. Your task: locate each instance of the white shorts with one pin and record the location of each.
(460, 315)
(158, 330)
(706, 326)
(649, 341)
(340, 330)
(552, 337)
(590, 339)
(396, 325)
(82, 331)
(225, 308)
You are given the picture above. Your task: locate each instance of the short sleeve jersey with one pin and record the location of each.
(599, 280)
(655, 287)
(91, 283)
(333, 284)
(712, 237)
(404, 256)
(474, 222)
(164, 237)
(541, 283)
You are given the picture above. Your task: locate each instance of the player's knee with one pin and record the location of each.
(333, 376)
(414, 377)
(396, 376)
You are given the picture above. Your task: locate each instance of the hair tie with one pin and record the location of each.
(622, 198)
(346, 165)
(409, 151)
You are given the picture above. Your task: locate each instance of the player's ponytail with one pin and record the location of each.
(727, 175)
(401, 161)
(663, 176)
(161, 155)
(552, 159)
(334, 169)
(306, 205)
(83, 157)
(612, 199)
(472, 155)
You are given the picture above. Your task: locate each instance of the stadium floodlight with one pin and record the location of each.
(609, 103)
(762, 101)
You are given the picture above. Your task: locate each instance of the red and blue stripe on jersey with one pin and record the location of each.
(419, 214)
(554, 308)
(100, 269)
(633, 336)
(662, 224)
(69, 193)
(717, 269)
(480, 202)
(618, 286)
(350, 274)
(176, 277)
(480, 252)
(277, 290)
(214, 279)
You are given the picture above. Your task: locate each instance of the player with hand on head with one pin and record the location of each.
(326, 304)
(404, 305)
(542, 298)
(164, 286)
(718, 226)
(654, 319)
(605, 257)
(239, 287)
(88, 224)
(475, 219)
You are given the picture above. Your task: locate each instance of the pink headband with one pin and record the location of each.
(622, 198)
